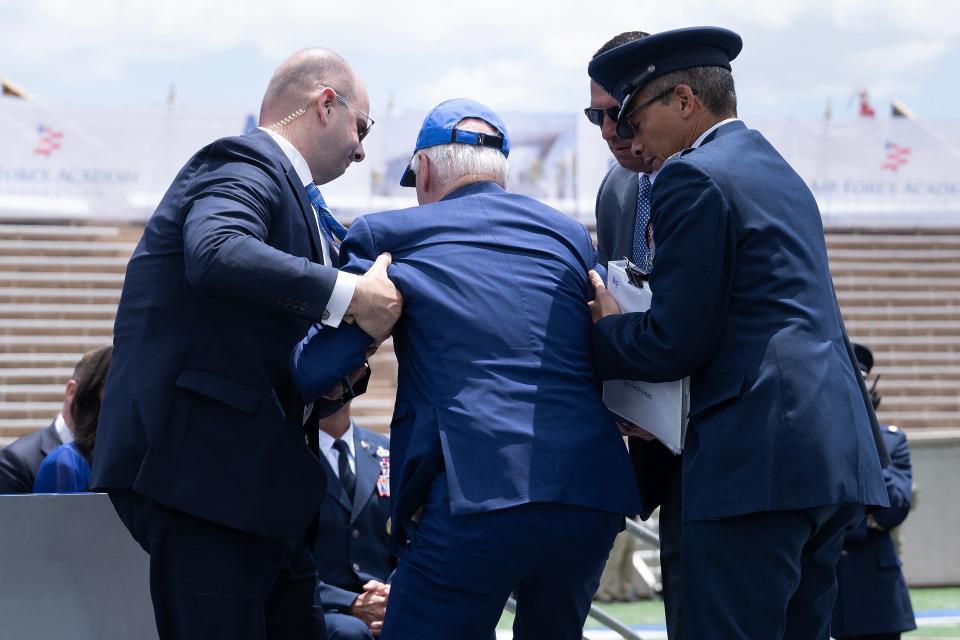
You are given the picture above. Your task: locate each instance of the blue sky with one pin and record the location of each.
(516, 56)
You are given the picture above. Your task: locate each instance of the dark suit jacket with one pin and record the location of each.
(616, 214)
(354, 535)
(744, 305)
(495, 382)
(199, 411)
(20, 461)
(872, 596)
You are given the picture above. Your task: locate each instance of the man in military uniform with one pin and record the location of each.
(873, 602)
(352, 550)
(783, 450)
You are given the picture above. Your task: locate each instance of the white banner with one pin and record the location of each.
(111, 162)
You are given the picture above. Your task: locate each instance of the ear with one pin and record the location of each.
(423, 175)
(687, 99)
(324, 103)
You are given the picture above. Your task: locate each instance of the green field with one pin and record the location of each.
(651, 612)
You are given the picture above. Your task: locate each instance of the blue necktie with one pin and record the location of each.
(641, 252)
(334, 230)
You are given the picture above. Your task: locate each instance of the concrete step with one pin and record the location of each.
(881, 343)
(86, 279)
(57, 264)
(53, 311)
(908, 239)
(30, 393)
(884, 254)
(65, 248)
(30, 410)
(28, 360)
(35, 375)
(12, 231)
(20, 344)
(901, 327)
(920, 419)
(924, 402)
(57, 295)
(55, 327)
(877, 297)
(841, 268)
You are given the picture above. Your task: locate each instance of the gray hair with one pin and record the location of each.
(457, 160)
(714, 87)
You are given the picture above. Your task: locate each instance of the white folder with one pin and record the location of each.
(658, 407)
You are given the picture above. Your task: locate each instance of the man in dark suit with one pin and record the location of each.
(873, 602)
(508, 472)
(783, 449)
(201, 442)
(20, 460)
(623, 218)
(352, 550)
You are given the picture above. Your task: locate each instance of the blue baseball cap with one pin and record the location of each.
(440, 127)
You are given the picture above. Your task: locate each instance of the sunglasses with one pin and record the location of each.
(625, 128)
(595, 115)
(364, 122)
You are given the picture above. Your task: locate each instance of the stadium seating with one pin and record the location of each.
(60, 283)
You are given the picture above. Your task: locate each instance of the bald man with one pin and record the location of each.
(202, 443)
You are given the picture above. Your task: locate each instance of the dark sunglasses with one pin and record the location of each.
(595, 115)
(625, 128)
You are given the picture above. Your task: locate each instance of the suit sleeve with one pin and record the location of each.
(335, 599)
(692, 279)
(14, 476)
(603, 251)
(326, 355)
(898, 476)
(226, 253)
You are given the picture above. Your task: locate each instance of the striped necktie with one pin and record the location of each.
(641, 252)
(334, 231)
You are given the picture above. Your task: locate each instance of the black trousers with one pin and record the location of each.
(209, 581)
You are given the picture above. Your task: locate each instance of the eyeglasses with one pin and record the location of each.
(625, 128)
(595, 114)
(364, 124)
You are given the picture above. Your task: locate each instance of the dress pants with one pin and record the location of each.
(763, 576)
(456, 572)
(211, 582)
(343, 626)
(670, 546)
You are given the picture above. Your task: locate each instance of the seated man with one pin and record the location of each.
(509, 473)
(20, 461)
(352, 549)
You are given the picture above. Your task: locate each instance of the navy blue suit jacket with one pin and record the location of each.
(199, 411)
(354, 535)
(872, 596)
(495, 382)
(744, 305)
(20, 461)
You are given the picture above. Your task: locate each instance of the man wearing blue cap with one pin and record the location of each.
(508, 474)
(783, 449)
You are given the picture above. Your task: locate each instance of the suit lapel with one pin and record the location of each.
(629, 217)
(334, 488)
(368, 470)
(49, 439)
(306, 209)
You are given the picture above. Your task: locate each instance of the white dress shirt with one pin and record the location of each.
(346, 282)
(66, 435)
(332, 455)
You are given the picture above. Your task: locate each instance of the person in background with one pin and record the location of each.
(20, 461)
(67, 468)
(352, 550)
(873, 602)
(623, 231)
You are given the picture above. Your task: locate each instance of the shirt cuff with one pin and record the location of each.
(340, 298)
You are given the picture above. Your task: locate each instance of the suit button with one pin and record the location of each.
(356, 567)
(355, 534)
(844, 553)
